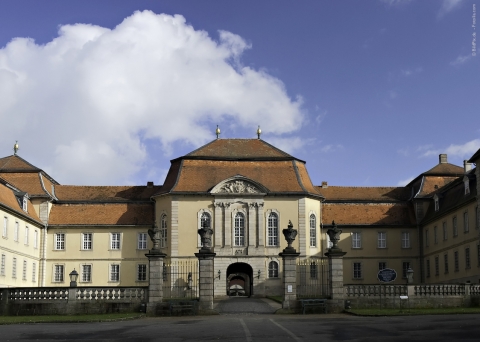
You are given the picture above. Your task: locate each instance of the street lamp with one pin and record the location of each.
(73, 278)
(409, 276)
(219, 274)
(259, 273)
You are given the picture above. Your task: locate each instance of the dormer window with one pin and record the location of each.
(466, 181)
(437, 205)
(25, 203)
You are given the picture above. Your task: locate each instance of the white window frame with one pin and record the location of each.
(34, 272)
(273, 219)
(5, 227)
(115, 241)
(142, 241)
(59, 242)
(2, 265)
(114, 273)
(14, 268)
(202, 215)
(273, 269)
(356, 240)
(437, 204)
(25, 203)
(27, 233)
(382, 265)
(87, 241)
(142, 272)
(58, 273)
(405, 239)
(24, 270)
(381, 240)
(313, 230)
(163, 230)
(16, 230)
(86, 271)
(239, 232)
(466, 182)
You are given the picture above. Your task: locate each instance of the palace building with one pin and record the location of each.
(247, 191)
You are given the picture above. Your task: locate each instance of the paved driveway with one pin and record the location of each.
(244, 305)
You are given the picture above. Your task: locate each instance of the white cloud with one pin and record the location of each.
(460, 60)
(409, 72)
(289, 144)
(465, 150)
(447, 7)
(87, 101)
(392, 3)
(331, 148)
(405, 181)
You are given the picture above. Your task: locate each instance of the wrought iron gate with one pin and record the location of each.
(313, 278)
(180, 279)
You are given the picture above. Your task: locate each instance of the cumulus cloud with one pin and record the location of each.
(465, 150)
(448, 6)
(460, 60)
(88, 101)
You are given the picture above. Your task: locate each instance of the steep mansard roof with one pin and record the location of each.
(359, 193)
(8, 200)
(202, 169)
(111, 194)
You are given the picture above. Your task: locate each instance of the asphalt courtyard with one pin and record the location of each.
(252, 324)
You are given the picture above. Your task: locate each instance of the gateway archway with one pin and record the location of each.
(239, 279)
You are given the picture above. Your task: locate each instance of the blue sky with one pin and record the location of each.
(367, 92)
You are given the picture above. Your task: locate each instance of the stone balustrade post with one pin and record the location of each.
(335, 268)
(289, 259)
(155, 284)
(206, 281)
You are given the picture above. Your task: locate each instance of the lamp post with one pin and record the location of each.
(73, 278)
(409, 276)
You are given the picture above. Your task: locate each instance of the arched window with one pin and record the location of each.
(163, 231)
(205, 220)
(272, 230)
(273, 269)
(313, 231)
(239, 231)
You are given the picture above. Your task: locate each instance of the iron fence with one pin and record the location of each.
(312, 278)
(180, 279)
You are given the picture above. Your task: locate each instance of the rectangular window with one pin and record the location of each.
(26, 236)
(34, 272)
(467, 257)
(58, 273)
(115, 272)
(382, 240)
(25, 204)
(405, 240)
(357, 270)
(14, 268)
(24, 270)
(426, 238)
(405, 267)
(356, 240)
(444, 229)
(60, 241)
(465, 222)
(445, 262)
(87, 240)
(5, 227)
(141, 272)
(435, 235)
(313, 271)
(2, 265)
(86, 273)
(115, 241)
(437, 266)
(428, 268)
(455, 260)
(454, 226)
(15, 232)
(35, 239)
(142, 241)
(382, 265)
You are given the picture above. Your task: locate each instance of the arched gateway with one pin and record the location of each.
(239, 279)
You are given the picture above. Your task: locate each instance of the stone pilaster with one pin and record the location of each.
(174, 229)
(155, 284)
(289, 279)
(302, 238)
(218, 225)
(228, 224)
(335, 267)
(261, 229)
(206, 279)
(252, 239)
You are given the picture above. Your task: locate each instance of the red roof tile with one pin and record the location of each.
(27, 182)
(371, 214)
(104, 193)
(381, 193)
(9, 200)
(16, 163)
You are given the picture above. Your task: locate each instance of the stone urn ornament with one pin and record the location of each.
(334, 235)
(155, 237)
(205, 237)
(290, 235)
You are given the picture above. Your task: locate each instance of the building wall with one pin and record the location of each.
(25, 252)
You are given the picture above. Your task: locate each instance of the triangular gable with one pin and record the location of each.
(239, 185)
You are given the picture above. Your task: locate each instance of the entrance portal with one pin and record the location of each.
(239, 279)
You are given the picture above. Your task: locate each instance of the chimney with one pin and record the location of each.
(467, 167)
(324, 185)
(149, 184)
(442, 159)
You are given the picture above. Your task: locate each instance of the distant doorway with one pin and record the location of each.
(240, 279)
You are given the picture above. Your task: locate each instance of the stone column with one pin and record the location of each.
(335, 268)
(289, 279)
(261, 233)
(206, 274)
(218, 225)
(155, 283)
(228, 224)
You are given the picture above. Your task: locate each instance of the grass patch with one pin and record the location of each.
(404, 312)
(69, 319)
(278, 299)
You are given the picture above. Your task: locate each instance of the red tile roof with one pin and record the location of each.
(16, 163)
(357, 193)
(27, 182)
(72, 193)
(102, 214)
(368, 214)
(9, 200)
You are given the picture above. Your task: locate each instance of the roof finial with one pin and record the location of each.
(259, 131)
(217, 132)
(15, 147)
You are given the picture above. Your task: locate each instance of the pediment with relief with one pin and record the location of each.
(238, 185)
